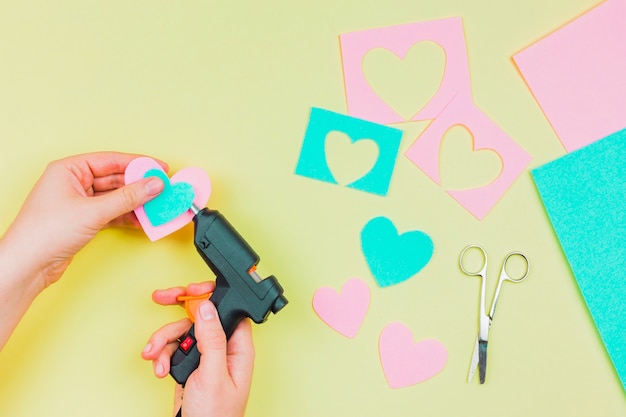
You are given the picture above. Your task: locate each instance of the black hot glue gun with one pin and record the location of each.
(240, 292)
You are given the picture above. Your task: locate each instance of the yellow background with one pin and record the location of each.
(227, 86)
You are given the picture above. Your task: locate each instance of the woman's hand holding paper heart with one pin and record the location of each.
(74, 199)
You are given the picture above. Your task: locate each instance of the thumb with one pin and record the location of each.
(211, 341)
(127, 198)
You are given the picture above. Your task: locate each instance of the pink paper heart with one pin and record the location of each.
(343, 312)
(408, 363)
(198, 179)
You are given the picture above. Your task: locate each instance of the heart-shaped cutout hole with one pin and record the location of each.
(406, 83)
(463, 167)
(348, 159)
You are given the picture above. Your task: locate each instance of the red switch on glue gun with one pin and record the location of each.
(239, 290)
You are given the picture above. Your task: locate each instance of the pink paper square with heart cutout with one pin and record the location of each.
(424, 153)
(198, 179)
(345, 311)
(406, 362)
(364, 102)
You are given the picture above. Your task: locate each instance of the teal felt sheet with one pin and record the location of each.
(584, 194)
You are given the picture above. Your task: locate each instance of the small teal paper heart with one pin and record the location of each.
(174, 200)
(393, 257)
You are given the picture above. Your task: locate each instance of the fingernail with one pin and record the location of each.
(158, 369)
(154, 186)
(148, 348)
(207, 310)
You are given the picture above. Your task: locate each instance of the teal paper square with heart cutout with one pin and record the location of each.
(312, 162)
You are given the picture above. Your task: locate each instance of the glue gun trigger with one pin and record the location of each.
(191, 303)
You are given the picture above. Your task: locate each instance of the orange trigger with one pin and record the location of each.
(192, 302)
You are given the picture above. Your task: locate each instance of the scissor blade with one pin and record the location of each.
(482, 360)
(474, 362)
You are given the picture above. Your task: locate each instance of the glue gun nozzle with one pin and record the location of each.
(194, 209)
(279, 304)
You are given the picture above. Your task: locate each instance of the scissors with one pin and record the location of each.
(479, 357)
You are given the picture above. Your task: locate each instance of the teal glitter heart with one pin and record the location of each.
(394, 257)
(174, 200)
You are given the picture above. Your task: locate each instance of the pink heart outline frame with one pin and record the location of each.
(198, 179)
(406, 362)
(364, 102)
(345, 311)
(424, 153)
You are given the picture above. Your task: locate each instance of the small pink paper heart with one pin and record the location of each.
(343, 312)
(198, 179)
(408, 363)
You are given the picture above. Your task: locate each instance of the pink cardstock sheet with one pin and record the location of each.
(364, 102)
(424, 153)
(578, 75)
